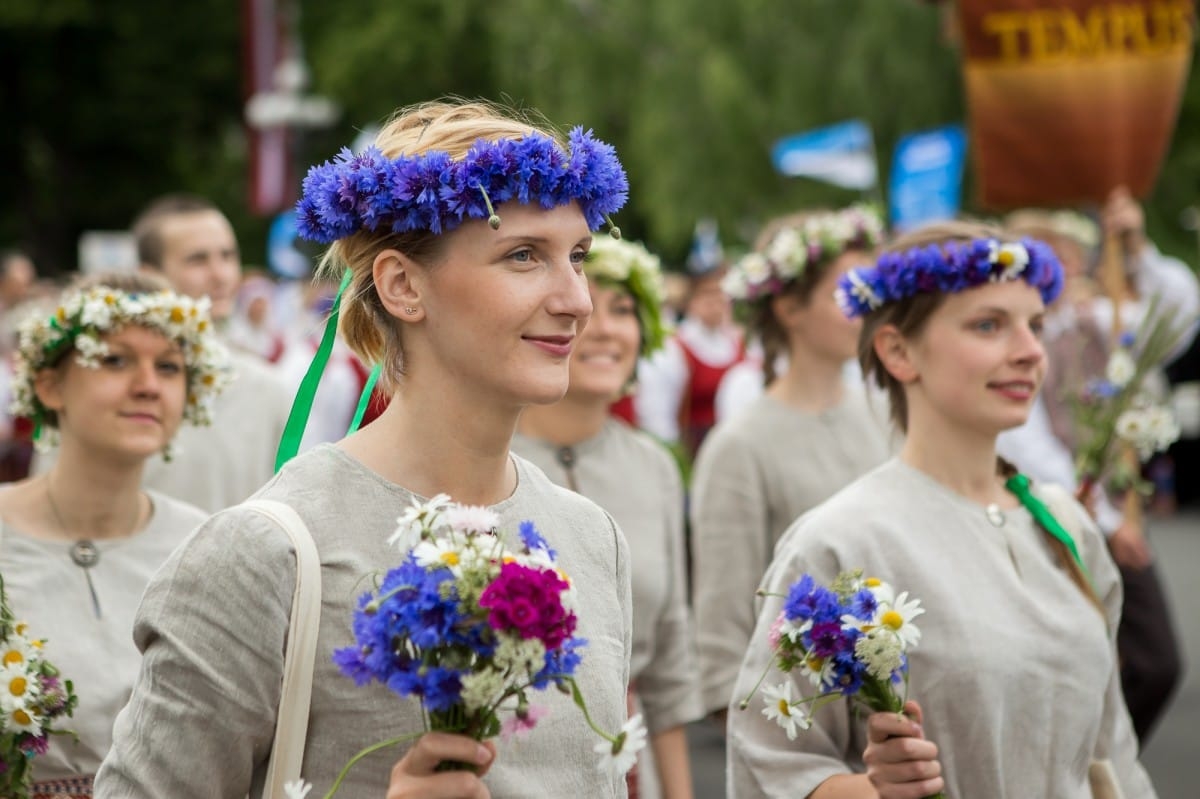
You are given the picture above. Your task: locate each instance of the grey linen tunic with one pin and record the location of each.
(213, 625)
(1015, 670)
(47, 589)
(632, 477)
(755, 475)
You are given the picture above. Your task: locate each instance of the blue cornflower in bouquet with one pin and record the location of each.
(33, 698)
(850, 640)
(474, 630)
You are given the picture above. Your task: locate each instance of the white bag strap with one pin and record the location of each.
(291, 726)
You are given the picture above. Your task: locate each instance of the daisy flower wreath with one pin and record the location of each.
(83, 318)
(817, 239)
(949, 267)
(432, 191)
(632, 268)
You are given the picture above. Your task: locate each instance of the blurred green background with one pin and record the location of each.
(106, 104)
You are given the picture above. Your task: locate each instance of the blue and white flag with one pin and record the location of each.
(842, 154)
(926, 179)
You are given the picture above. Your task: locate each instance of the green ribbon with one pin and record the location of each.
(293, 431)
(1019, 485)
(364, 399)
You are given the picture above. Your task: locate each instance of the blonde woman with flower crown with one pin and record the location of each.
(810, 434)
(1013, 687)
(112, 375)
(463, 233)
(581, 446)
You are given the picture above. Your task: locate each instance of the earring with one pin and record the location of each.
(410, 310)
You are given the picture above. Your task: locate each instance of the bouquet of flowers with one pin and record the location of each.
(1115, 415)
(850, 640)
(474, 630)
(32, 697)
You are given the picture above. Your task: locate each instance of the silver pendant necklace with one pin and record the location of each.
(84, 552)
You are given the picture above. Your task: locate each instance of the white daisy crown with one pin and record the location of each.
(819, 238)
(83, 317)
(635, 269)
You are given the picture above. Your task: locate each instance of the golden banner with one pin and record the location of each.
(1068, 99)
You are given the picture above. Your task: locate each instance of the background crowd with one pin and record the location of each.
(717, 392)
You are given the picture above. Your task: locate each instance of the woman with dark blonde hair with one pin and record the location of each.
(111, 374)
(1016, 672)
(581, 446)
(810, 434)
(463, 233)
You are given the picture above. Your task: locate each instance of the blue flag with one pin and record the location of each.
(842, 154)
(926, 179)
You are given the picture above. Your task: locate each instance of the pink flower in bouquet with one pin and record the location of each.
(522, 721)
(528, 601)
(776, 631)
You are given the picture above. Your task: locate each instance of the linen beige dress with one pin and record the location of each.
(755, 475)
(1015, 670)
(632, 477)
(213, 624)
(46, 589)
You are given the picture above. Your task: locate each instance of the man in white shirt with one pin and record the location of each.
(191, 243)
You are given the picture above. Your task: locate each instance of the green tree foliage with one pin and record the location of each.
(108, 104)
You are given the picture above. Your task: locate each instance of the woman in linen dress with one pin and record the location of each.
(811, 433)
(79, 543)
(581, 446)
(472, 312)
(1015, 672)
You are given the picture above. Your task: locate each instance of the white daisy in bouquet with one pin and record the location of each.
(33, 698)
(850, 640)
(1117, 421)
(474, 630)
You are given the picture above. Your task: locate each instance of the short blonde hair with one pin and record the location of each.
(450, 126)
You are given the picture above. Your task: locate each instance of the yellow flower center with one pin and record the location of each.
(784, 707)
(21, 717)
(208, 380)
(110, 299)
(12, 657)
(450, 558)
(17, 685)
(872, 582)
(815, 663)
(202, 325)
(21, 628)
(892, 619)
(177, 314)
(1005, 258)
